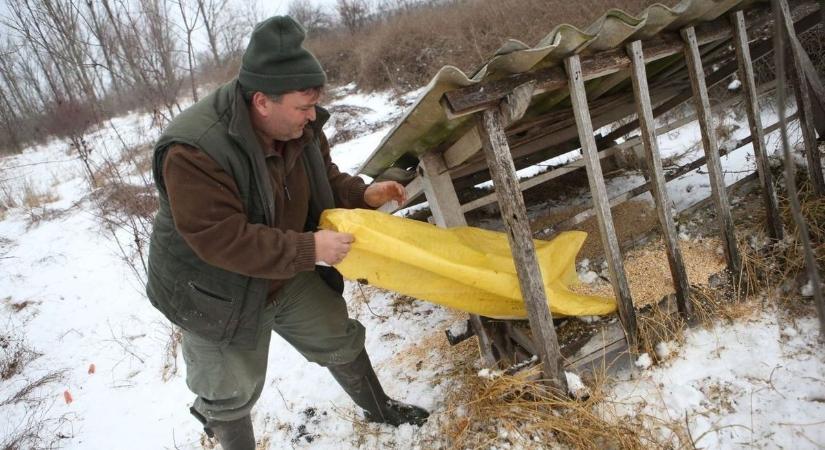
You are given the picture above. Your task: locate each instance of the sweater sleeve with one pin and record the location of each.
(348, 189)
(209, 214)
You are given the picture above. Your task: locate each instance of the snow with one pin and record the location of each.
(740, 384)
(643, 361)
(575, 386)
(70, 295)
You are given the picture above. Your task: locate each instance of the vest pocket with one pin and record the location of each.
(203, 311)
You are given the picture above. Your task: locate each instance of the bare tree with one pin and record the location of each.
(353, 13)
(211, 11)
(312, 17)
(190, 22)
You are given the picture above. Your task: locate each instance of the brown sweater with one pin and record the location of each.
(209, 214)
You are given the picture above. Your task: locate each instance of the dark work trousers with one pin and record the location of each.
(307, 314)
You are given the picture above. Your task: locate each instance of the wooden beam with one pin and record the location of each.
(438, 188)
(610, 243)
(514, 215)
(717, 181)
(656, 177)
(803, 102)
(743, 56)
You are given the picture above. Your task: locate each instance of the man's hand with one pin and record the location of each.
(379, 193)
(331, 247)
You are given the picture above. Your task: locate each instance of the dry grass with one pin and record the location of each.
(514, 411)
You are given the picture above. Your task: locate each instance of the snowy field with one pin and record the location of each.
(98, 366)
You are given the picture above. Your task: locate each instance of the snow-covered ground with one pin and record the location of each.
(99, 368)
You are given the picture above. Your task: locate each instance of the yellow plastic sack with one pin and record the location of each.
(464, 268)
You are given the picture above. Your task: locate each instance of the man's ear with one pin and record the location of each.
(259, 100)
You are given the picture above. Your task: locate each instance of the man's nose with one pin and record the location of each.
(311, 115)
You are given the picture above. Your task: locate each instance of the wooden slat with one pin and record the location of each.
(803, 102)
(717, 181)
(440, 193)
(535, 181)
(514, 216)
(599, 192)
(656, 177)
(743, 55)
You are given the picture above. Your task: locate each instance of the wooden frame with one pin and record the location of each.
(502, 103)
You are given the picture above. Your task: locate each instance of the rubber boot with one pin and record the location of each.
(232, 435)
(359, 381)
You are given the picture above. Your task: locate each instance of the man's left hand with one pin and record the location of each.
(383, 191)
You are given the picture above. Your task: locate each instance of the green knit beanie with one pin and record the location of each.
(275, 61)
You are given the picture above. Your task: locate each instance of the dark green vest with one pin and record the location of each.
(216, 304)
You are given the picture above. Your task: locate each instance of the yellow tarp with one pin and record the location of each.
(464, 268)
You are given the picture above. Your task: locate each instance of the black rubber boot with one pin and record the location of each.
(232, 435)
(359, 381)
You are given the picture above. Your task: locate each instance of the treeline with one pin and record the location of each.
(66, 64)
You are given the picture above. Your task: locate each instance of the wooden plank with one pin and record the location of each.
(656, 177)
(438, 188)
(740, 41)
(599, 192)
(535, 181)
(803, 102)
(514, 216)
(717, 182)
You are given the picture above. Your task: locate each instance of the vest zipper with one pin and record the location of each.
(286, 191)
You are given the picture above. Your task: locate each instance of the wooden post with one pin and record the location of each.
(440, 192)
(610, 243)
(803, 101)
(811, 265)
(743, 55)
(717, 181)
(656, 175)
(514, 214)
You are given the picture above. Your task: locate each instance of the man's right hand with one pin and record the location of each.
(331, 247)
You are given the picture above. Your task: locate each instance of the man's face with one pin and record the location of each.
(285, 120)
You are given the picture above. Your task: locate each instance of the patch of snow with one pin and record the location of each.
(589, 319)
(734, 85)
(588, 277)
(663, 350)
(643, 361)
(807, 289)
(576, 387)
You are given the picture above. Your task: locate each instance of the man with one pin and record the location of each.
(243, 176)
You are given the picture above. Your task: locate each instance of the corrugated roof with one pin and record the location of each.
(426, 124)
